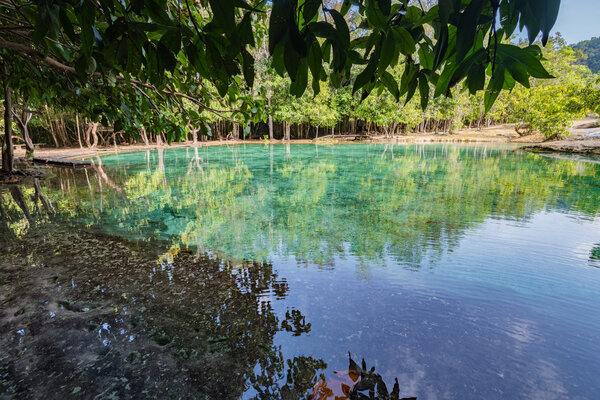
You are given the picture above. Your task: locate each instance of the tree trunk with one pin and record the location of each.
(51, 126)
(144, 136)
(7, 147)
(288, 130)
(236, 131)
(78, 131)
(270, 118)
(60, 124)
(94, 134)
(88, 131)
(195, 136)
(23, 121)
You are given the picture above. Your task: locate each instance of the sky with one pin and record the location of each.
(578, 20)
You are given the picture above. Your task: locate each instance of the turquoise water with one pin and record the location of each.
(463, 271)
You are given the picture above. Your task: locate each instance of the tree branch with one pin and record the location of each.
(24, 49)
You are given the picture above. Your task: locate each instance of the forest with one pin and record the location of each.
(547, 106)
(87, 85)
(590, 50)
(183, 214)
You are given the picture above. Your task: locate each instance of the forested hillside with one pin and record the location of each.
(591, 48)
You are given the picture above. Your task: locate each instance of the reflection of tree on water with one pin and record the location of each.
(212, 322)
(125, 314)
(21, 212)
(3, 216)
(409, 203)
(295, 322)
(41, 197)
(595, 255)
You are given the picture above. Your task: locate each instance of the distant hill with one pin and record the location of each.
(591, 48)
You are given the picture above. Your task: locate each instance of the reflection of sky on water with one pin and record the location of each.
(503, 328)
(510, 313)
(465, 272)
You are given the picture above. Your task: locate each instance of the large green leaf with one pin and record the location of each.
(375, 17)
(390, 84)
(467, 28)
(223, 13)
(404, 39)
(368, 73)
(525, 56)
(424, 91)
(281, 17)
(494, 88)
(298, 85)
(341, 26)
(248, 68)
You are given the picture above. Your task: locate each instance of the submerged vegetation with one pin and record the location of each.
(130, 326)
(258, 201)
(175, 272)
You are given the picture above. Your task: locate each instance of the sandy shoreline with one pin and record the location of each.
(584, 139)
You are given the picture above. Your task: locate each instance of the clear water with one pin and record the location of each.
(465, 272)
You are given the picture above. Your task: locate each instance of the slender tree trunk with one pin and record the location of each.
(236, 131)
(63, 131)
(195, 136)
(144, 136)
(23, 121)
(78, 130)
(88, 132)
(7, 147)
(270, 118)
(51, 126)
(28, 142)
(94, 134)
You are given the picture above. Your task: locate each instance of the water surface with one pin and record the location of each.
(464, 271)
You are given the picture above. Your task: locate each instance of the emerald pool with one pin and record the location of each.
(463, 271)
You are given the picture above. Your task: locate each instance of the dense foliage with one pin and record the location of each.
(591, 50)
(547, 106)
(117, 71)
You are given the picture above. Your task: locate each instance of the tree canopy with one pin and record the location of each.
(129, 63)
(591, 50)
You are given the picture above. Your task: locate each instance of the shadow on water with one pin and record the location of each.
(85, 314)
